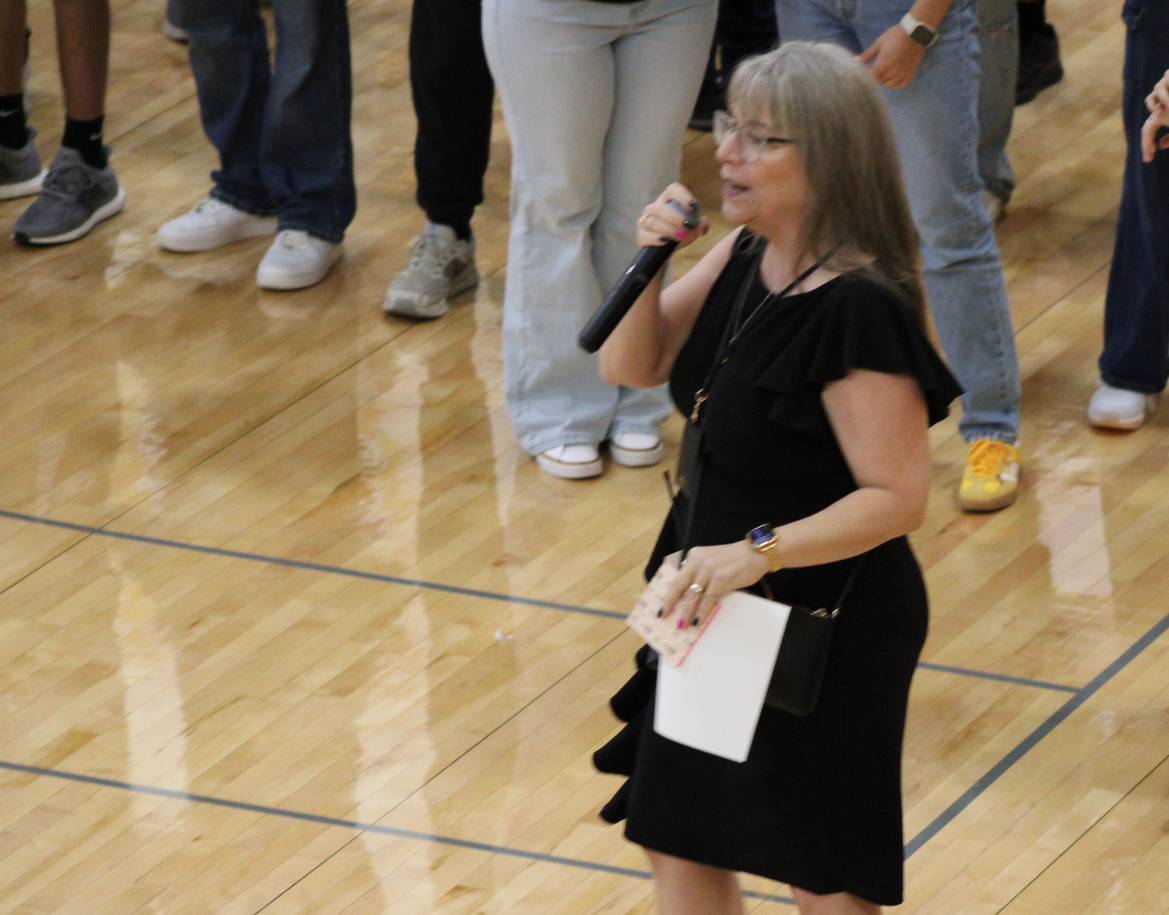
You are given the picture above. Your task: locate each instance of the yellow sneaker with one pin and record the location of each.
(991, 478)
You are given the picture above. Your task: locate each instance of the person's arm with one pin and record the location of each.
(894, 56)
(1158, 105)
(641, 350)
(881, 423)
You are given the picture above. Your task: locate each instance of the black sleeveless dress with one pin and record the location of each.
(817, 803)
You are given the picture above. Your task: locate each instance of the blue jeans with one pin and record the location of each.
(282, 134)
(596, 98)
(935, 119)
(1136, 308)
(998, 42)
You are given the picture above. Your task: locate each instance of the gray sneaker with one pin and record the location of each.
(440, 266)
(21, 173)
(74, 198)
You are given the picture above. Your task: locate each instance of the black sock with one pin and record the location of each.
(462, 231)
(85, 137)
(13, 129)
(1033, 19)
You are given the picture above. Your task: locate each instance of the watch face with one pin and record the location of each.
(762, 535)
(923, 35)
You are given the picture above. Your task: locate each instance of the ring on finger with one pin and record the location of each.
(697, 589)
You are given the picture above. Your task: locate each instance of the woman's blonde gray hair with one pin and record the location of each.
(821, 96)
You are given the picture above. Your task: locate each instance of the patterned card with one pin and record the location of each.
(663, 635)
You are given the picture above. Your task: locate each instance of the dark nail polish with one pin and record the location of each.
(661, 612)
(694, 622)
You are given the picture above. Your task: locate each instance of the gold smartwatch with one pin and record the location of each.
(765, 541)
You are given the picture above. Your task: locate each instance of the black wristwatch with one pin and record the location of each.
(918, 30)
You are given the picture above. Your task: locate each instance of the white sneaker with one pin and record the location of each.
(174, 32)
(636, 449)
(571, 462)
(1116, 408)
(440, 266)
(212, 224)
(296, 260)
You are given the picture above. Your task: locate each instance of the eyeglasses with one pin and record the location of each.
(753, 142)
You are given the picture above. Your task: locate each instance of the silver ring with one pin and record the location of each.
(697, 588)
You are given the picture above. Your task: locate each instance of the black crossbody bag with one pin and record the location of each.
(807, 638)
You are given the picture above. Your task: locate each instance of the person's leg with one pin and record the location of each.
(80, 189)
(655, 82)
(998, 40)
(833, 904)
(553, 66)
(1136, 309)
(689, 888)
(13, 16)
(228, 48)
(935, 119)
(817, 20)
(306, 149)
(743, 28)
(83, 52)
(1039, 64)
(452, 91)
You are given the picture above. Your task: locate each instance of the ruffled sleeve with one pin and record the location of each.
(857, 325)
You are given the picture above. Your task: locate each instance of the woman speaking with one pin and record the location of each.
(800, 339)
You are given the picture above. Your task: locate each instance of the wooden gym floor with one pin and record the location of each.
(289, 624)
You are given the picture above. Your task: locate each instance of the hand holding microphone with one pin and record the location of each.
(673, 220)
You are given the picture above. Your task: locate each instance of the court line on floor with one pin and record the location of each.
(346, 824)
(435, 586)
(1029, 742)
(915, 844)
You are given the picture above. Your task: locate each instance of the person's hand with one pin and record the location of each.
(1158, 104)
(708, 575)
(661, 222)
(893, 58)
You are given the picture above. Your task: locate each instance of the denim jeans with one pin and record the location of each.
(282, 133)
(596, 97)
(998, 42)
(935, 119)
(1136, 307)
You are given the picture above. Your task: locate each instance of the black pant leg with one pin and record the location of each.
(453, 92)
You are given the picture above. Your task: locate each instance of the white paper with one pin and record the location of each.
(713, 700)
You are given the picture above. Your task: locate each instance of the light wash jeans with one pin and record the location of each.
(998, 40)
(282, 132)
(935, 119)
(596, 97)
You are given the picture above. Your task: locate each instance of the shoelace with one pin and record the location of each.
(291, 240)
(422, 247)
(66, 182)
(988, 456)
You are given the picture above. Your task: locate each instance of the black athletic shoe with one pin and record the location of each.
(703, 116)
(1039, 66)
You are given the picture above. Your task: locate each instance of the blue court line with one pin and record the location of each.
(1028, 743)
(1004, 678)
(349, 824)
(310, 566)
(434, 586)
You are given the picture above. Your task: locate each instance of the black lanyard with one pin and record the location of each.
(737, 326)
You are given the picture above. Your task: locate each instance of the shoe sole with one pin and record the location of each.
(1120, 425)
(570, 471)
(289, 282)
(411, 304)
(174, 33)
(192, 245)
(113, 208)
(636, 457)
(23, 188)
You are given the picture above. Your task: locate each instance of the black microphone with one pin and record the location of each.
(620, 299)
